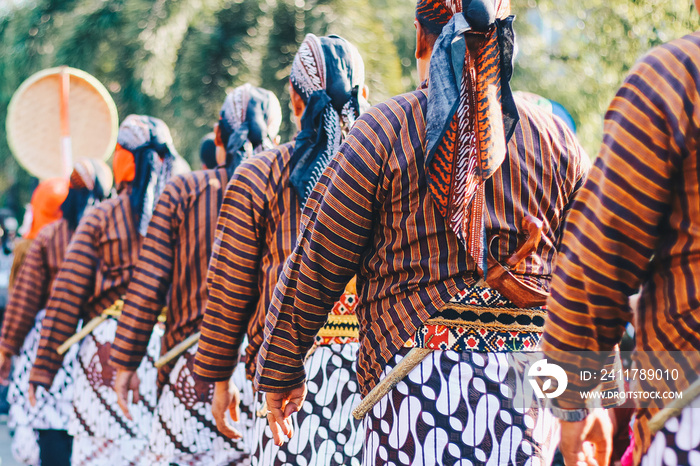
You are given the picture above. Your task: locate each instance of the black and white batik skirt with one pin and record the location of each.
(54, 407)
(460, 408)
(325, 432)
(102, 434)
(184, 431)
(469, 401)
(678, 442)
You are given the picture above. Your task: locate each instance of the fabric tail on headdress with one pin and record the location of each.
(315, 143)
(471, 116)
(149, 141)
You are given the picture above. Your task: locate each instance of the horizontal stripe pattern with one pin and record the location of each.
(33, 284)
(371, 215)
(95, 272)
(172, 268)
(635, 224)
(257, 230)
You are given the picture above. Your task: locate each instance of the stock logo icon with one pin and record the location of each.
(543, 369)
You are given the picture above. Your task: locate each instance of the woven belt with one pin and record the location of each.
(339, 329)
(463, 327)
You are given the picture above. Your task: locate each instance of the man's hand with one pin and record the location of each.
(226, 398)
(125, 382)
(281, 406)
(5, 367)
(588, 442)
(31, 394)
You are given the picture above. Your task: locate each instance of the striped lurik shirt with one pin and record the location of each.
(636, 223)
(172, 267)
(96, 270)
(371, 215)
(33, 284)
(257, 230)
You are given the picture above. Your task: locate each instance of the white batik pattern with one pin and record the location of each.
(184, 431)
(99, 423)
(460, 409)
(54, 408)
(678, 443)
(93, 451)
(309, 66)
(325, 432)
(25, 445)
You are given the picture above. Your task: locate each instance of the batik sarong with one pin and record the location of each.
(325, 433)
(53, 408)
(460, 408)
(469, 401)
(678, 442)
(103, 435)
(184, 431)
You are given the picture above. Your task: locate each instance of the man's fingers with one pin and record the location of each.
(235, 412)
(589, 453)
(31, 394)
(226, 428)
(5, 368)
(281, 419)
(134, 386)
(290, 409)
(123, 401)
(276, 429)
(234, 407)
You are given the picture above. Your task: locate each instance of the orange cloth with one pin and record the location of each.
(123, 165)
(46, 203)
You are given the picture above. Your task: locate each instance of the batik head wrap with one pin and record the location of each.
(149, 142)
(46, 204)
(250, 120)
(207, 151)
(328, 74)
(471, 112)
(90, 182)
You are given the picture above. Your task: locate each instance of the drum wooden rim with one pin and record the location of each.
(28, 103)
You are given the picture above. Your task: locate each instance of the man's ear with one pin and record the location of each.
(298, 105)
(423, 42)
(217, 136)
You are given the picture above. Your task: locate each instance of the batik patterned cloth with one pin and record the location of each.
(94, 451)
(325, 432)
(184, 431)
(25, 444)
(481, 319)
(327, 74)
(460, 408)
(97, 413)
(249, 121)
(54, 407)
(678, 442)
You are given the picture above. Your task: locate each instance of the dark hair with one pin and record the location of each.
(77, 201)
(207, 151)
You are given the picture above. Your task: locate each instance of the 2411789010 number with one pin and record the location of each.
(638, 374)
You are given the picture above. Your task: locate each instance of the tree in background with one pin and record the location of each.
(176, 59)
(578, 52)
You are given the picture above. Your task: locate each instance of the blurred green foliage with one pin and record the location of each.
(176, 59)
